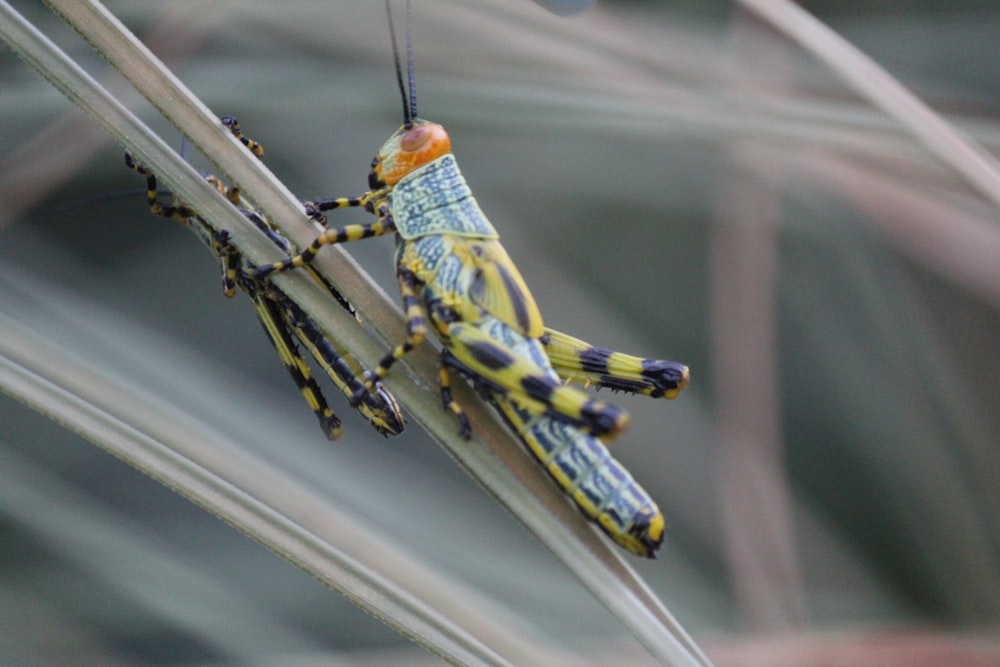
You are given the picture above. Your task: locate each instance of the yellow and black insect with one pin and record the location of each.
(282, 319)
(457, 280)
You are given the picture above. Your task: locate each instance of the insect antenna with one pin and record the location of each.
(118, 194)
(80, 202)
(411, 78)
(409, 99)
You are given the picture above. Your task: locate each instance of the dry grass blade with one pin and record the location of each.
(949, 145)
(136, 427)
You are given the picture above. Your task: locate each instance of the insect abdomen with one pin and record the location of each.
(599, 485)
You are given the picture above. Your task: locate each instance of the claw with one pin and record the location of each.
(464, 428)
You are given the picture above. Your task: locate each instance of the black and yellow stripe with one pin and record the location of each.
(416, 332)
(600, 486)
(449, 403)
(510, 375)
(577, 361)
(378, 406)
(285, 324)
(329, 237)
(273, 321)
(234, 128)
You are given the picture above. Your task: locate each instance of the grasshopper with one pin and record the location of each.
(282, 319)
(457, 281)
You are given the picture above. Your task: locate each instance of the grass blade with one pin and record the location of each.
(946, 143)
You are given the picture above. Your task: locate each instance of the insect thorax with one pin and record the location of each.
(434, 199)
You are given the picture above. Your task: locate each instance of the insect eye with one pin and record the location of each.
(415, 138)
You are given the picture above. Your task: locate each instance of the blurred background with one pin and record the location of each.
(673, 180)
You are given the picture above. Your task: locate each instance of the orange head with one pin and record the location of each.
(413, 145)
